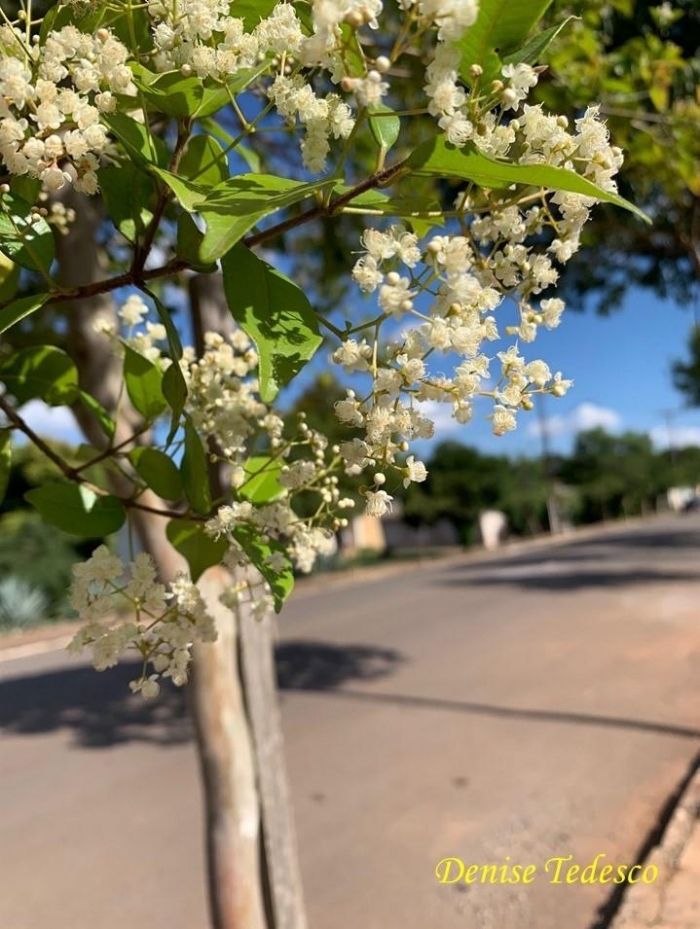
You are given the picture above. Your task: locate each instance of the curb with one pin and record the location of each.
(643, 904)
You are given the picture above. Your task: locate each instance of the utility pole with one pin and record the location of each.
(552, 507)
(669, 417)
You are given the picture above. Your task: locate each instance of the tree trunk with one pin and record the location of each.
(221, 724)
(256, 640)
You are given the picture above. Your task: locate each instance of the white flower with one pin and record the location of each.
(149, 688)
(378, 502)
(415, 471)
(551, 311)
(503, 420)
(133, 311)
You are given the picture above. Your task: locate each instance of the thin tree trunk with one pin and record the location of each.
(223, 736)
(226, 755)
(283, 873)
(256, 641)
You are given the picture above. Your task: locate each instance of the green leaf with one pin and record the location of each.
(231, 209)
(175, 392)
(501, 27)
(196, 547)
(252, 11)
(173, 384)
(282, 581)
(385, 129)
(26, 187)
(194, 470)
(276, 315)
(144, 385)
(190, 196)
(249, 155)
(5, 461)
(158, 471)
(262, 480)
(410, 208)
(9, 278)
(25, 238)
(204, 162)
(9, 315)
(531, 53)
(169, 93)
(100, 413)
(354, 60)
(41, 371)
(127, 192)
(438, 158)
(218, 96)
(77, 510)
(136, 140)
(164, 315)
(189, 244)
(185, 97)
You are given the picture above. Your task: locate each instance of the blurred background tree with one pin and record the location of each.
(641, 60)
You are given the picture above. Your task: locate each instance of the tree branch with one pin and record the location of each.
(73, 474)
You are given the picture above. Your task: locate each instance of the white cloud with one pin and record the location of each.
(676, 436)
(441, 415)
(53, 422)
(581, 418)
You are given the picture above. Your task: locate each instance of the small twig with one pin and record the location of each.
(379, 179)
(20, 424)
(73, 474)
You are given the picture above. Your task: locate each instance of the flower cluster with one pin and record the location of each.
(52, 97)
(225, 406)
(167, 620)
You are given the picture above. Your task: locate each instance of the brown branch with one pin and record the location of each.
(380, 179)
(136, 276)
(20, 424)
(73, 474)
(95, 288)
(143, 250)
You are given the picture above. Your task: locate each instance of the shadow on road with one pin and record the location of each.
(98, 708)
(531, 715)
(100, 711)
(306, 665)
(550, 575)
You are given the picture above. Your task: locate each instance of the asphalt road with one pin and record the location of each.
(540, 704)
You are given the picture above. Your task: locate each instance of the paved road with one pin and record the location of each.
(541, 704)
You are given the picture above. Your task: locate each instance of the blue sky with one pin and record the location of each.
(620, 365)
(621, 368)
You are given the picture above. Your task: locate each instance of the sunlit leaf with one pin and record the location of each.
(280, 579)
(40, 371)
(438, 158)
(25, 237)
(501, 27)
(275, 313)
(196, 547)
(262, 480)
(144, 385)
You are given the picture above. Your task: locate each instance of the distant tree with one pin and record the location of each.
(686, 373)
(615, 475)
(462, 482)
(641, 60)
